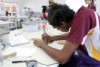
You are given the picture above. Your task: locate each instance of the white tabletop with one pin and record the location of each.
(39, 55)
(5, 22)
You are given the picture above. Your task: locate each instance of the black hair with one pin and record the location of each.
(64, 14)
(92, 1)
(52, 10)
(44, 9)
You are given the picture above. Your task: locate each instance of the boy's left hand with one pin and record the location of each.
(39, 43)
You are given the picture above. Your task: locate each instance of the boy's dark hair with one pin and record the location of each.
(52, 10)
(64, 14)
(92, 1)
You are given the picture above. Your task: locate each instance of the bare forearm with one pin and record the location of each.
(62, 55)
(60, 37)
(54, 53)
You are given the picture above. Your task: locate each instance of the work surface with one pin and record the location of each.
(5, 22)
(37, 54)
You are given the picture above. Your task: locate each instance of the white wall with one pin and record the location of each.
(36, 5)
(75, 4)
(61, 1)
(97, 6)
(11, 1)
(21, 5)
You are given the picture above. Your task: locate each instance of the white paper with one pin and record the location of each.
(24, 52)
(33, 28)
(17, 40)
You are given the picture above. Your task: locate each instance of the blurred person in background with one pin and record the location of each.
(91, 4)
(44, 13)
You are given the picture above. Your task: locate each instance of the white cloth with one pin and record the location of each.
(93, 38)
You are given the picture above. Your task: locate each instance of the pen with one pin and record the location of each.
(44, 31)
(44, 28)
(19, 61)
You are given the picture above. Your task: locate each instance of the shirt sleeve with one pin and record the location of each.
(79, 29)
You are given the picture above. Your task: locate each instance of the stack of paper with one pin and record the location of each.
(17, 40)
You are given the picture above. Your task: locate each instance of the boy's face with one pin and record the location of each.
(64, 27)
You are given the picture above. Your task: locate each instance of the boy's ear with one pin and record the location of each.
(63, 24)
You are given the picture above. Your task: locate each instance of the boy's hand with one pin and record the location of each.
(47, 38)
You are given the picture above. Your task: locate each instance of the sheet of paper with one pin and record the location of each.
(24, 52)
(18, 40)
(33, 28)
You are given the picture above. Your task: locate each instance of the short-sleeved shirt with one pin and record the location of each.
(83, 21)
(85, 30)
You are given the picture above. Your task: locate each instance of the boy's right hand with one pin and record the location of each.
(47, 38)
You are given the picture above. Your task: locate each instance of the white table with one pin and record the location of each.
(39, 55)
(4, 29)
(5, 22)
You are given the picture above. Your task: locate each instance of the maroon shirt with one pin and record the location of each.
(83, 21)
